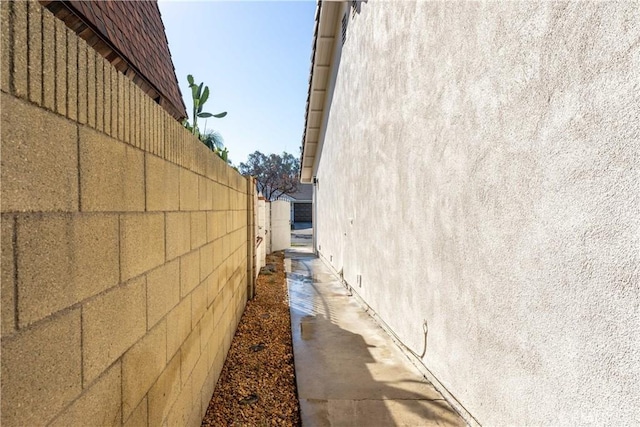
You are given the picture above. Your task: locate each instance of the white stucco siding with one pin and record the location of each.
(488, 155)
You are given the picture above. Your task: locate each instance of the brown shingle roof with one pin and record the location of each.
(135, 33)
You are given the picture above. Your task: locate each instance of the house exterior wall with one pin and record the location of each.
(480, 171)
(124, 242)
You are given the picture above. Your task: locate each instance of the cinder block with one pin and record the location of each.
(145, 142)
(135, 100)
(212, 287)
(121, 119)
(209, 168)
(143, 120)
(190, 353)
(100, 403)
(82, 81)
(111, 174)
(64, 259)
(37, 176)
(219, 357)
(164, 392)
(211, 232)
(219, 167)
(189, 272)
(226, 247)
(207, 389)
(139, 416)
(205, 193)
(206, 260)
(198, 229)
(61, 67)
(199, 377)
(178, 325)
(206, 329)
(161, 126)
(126, 120)
(48, 60)
(141, 243)
(35, 52)
(141, 366)
(7, 291)
(20, 28)
(133, 124)
(214, 349)
(91, 87)
(129, 111)
(41, 371)
(5, 31)
(198, 302)
(163, 291)
(100, 106)
(111, 323)
(218, 311)
(243, 187)
(154, 128)
(178, 233)
(227, 293)
(220, 223)
(106, 84)
(163, 184)
(226, 204)
(170, 143)
(188, 190)
(214, 224)
(173, 143)
(229, 221)
(180, 412)
(72, 75)
(218, 253)
(114, 102)
(217, 193)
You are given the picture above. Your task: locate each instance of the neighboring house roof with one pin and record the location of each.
(130, 34)
(304, 193)
(324, 41)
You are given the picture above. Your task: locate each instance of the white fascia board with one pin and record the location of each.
(328, 26)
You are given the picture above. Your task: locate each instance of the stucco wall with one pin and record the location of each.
(124, 242)
(480, 170)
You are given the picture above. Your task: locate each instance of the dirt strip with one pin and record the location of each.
(257, 386)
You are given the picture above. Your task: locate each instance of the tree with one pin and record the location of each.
(276, 175)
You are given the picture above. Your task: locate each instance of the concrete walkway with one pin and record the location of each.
(349, 372)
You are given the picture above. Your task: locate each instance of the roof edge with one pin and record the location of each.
(105, 48)
(325, 18)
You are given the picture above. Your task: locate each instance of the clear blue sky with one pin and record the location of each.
(255, 58)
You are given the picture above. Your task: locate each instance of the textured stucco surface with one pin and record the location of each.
(481, 172)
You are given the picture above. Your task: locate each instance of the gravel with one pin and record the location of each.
(257, 385)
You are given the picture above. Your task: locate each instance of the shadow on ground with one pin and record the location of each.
(349, 372)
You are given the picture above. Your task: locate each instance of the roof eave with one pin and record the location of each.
(324, 41)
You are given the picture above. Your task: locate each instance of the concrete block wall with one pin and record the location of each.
(124, 242)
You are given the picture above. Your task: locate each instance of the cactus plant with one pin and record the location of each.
(200, 96)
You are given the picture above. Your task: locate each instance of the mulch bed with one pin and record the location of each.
(257, 385)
